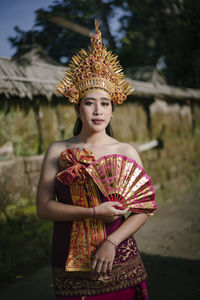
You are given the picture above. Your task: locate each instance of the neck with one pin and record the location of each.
(92, 138)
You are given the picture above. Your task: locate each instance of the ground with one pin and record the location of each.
(174, 229)
(170, 247)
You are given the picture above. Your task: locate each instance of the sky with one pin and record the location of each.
(21, 13)
(17, 13)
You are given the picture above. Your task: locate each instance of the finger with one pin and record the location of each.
(116, 204)
(104, 267)
(109, 267)
(94, 263)
(123, 211)
(99, 266)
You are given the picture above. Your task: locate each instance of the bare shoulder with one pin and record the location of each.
(51, 159)
(130, 151)
(56, 148)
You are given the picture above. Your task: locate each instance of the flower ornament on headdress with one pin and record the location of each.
(95, 69)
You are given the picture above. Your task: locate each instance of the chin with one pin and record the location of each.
(98, 128)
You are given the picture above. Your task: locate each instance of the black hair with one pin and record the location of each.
(78, 124)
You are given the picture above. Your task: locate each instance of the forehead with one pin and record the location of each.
(97, 95)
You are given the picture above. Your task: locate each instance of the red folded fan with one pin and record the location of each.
(121, 179)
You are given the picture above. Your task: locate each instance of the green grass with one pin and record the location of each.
(24, 243)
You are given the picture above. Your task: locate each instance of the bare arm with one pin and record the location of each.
(134, 222)
(106, 252)
(128, 228)
(48, 208)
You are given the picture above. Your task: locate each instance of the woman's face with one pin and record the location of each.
(95, 111)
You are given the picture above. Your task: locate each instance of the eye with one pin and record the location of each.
(88, 103)
(105, 103)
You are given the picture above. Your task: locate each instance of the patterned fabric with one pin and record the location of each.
(73, 162)
(86, 234)
(128, 270)
(138, 292)
(74, 243)
(121, 179)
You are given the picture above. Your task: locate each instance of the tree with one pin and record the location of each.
(61, 42)
(154, 30)
(167, 29)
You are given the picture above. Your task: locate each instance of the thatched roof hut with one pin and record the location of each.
(35, 75)
(31, 75)
(29, 81)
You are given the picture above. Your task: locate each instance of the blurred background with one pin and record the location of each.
(158, 44)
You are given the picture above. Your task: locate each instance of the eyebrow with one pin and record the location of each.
(102, 98)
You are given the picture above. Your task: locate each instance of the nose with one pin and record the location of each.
(97, 109)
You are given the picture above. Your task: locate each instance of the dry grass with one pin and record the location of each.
(176, 167)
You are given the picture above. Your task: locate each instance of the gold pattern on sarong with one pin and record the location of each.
(128, 270)
(83, 245)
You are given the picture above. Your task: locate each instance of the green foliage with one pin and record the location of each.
(62, 42)
(19, 129)
(167, 30)
(24, 243)
(154, 30)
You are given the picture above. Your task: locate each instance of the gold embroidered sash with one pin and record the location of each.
(86, 234)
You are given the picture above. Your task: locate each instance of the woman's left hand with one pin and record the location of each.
(104, 258)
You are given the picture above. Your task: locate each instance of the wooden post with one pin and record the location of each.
(146, 106)
(38, 117)
(191, 105)
(60, 127)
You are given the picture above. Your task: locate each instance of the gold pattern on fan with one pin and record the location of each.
(121, 179)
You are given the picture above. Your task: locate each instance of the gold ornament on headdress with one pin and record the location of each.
(96, 69)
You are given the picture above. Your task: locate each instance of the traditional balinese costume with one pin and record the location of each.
(84, 181)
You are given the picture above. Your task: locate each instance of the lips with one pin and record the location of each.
(97, 121)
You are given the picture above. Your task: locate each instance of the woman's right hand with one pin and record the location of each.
(109, 211)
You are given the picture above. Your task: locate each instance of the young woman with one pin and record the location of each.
(94, 254)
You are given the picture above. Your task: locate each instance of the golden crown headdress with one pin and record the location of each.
(96, 69)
